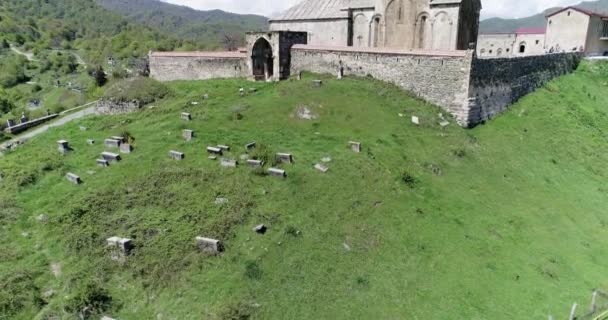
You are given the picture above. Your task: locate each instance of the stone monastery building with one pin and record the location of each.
(401, 24)
(426, 47)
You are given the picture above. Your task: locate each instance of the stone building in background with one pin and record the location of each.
(574, 29)
(394, 24)
(523, 42)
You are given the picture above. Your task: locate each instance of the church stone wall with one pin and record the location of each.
(180, 67)
(498, 83)
(329, 32)
(442, 79)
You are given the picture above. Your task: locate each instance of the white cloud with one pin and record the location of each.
(492, 8)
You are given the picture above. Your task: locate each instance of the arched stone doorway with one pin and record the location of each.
(262, 60)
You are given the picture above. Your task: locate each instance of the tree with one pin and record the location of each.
(5, 102)
(230, 42)
(100, 76)
(4, 44)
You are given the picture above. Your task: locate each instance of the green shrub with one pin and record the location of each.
(18, 291)
(144, 90)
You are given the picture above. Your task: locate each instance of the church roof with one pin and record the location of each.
(321, 9)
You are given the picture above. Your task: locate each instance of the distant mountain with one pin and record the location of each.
(498, 25)
(207, 28)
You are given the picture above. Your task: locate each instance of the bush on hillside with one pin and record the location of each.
(144, 90)
(12, 71)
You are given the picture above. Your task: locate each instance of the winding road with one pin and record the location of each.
(89, 109)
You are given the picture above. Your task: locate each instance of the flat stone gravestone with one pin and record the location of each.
(260, 228)
(208, 245)
(228, 163)
(83, 128)
(90, 142)
(223, 147)
(103, 163)
(73, 178)
(326, 159)
(444, 124)
(215, 151)
(242, 91)
(112, 143)
(284, 157)
(176, 155)
(415, 120)
(220, 201)
(188, 134)
(107, 318)
(212, 157)
(277, 172)
(119, 138)
(126, 148)
(317, 83)
(110, 157)
(250, 146)
(321, 167)
(206, 96)
(255, 163)
(63, 146)
(355, 146)
(194, 103)
(186, 116)
(120, 247)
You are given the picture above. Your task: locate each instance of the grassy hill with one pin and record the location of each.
(504, 221)
(499, 25)
(205, 27)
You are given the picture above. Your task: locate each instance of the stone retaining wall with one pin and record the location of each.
(170, 66)
(498, 83)
(441, 78)
(108, 107)
(30, 124)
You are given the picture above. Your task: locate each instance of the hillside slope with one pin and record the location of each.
(205, 27)
(505, 221)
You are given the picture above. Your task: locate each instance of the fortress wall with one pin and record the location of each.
(439, 77)
(498, 83)
(191, 67)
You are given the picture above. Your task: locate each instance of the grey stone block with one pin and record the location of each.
(186, 116)
(63, 146)
(110, 157)
(176, 155)
(126, 148)
(355, 146)
(90, 142)
(284, 157)
(321, 167)
(119, 247)
(215, 151)
(277, 172)
(73, 178)
(255, 163)
(223, 147)
(112, 143)
(119, 138)
(187, 134)
(103, 163)
(317, 83)
(260, 228)
(250, 146)
(228, 163)
(209, 246)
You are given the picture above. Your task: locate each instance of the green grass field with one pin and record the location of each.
(504, 221)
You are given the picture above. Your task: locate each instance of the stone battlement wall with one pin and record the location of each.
(442, 79)
(498, 83)
(192, 67)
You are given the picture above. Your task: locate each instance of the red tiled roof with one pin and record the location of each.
(201, 54)
(585, 11)
(531, 31)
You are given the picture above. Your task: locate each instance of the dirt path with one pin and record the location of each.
(28, 55)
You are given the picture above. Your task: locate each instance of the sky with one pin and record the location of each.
(491, 8)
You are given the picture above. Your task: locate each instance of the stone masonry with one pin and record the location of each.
(472, 90)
